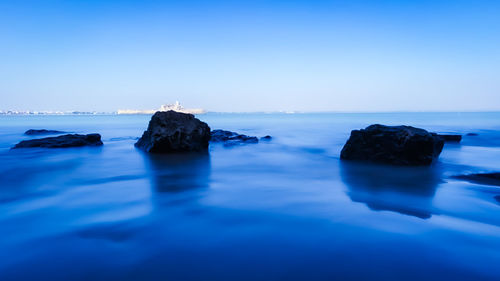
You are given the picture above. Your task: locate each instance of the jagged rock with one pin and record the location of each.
(451, 138)
(397, 145)
(482, 178)
(231, 138)
(35, 132)
(171, 131)
(70, 140)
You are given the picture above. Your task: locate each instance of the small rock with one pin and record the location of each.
(397, 145)
(451, 138)
(35, 132)
(472, 134)
(481, 178)
(70, 140)
(171, 131)
(266, 138)
(231, 138)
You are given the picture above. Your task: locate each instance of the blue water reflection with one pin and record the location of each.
(406, 190)
(287, 209)
(178, 172)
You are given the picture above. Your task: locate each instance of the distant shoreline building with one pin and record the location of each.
(166, 107)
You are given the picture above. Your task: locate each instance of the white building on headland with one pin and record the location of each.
(166, 107)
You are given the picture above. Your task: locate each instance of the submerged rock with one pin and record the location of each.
(70, 140)
(231, 138)
(472, 134)
(451, 138)
(171, 131)
(266, 138)
(481, 178)
(36, 132)
(397, 145)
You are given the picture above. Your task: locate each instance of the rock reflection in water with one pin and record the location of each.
(406, 190)
(178, 172)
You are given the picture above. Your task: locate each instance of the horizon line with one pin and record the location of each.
(85, 112)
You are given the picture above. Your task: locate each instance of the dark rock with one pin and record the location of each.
(231, 138)
(266, 138)
(171, 131)
(451, 138)
(397, 145)
(482, 178)
(70, 140)
(221, 135)
(35, 132)
(472, 135)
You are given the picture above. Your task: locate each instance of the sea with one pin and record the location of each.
(284, 209)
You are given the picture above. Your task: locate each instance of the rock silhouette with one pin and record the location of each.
(397, 145)
(36, 132)
(171, 131)
(231, 138)
(483, 178)
(451, 138)
(70, 140)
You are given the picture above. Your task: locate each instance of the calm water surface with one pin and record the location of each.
(287, 209)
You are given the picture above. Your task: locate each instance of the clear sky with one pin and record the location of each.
(250, 55)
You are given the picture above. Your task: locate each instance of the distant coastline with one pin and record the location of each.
(166, 107)
(202, 111)
(28, 112)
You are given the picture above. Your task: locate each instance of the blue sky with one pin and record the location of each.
(251, 56)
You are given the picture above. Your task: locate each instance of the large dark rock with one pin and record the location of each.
(171, 131)
(482, 178)
(451, 138)
(36, 132)
(231, 138)
(71, 140)
(397, 145)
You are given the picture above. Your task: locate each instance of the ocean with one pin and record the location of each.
(285, 209)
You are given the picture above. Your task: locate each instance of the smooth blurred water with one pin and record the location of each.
(287, 209)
